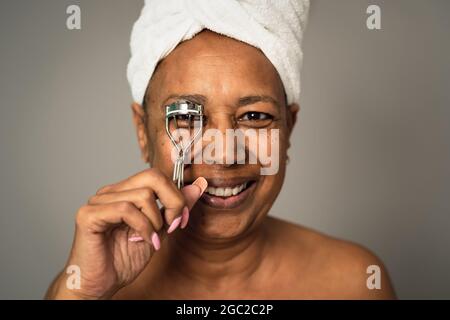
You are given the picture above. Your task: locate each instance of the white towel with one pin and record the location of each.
(274, 26)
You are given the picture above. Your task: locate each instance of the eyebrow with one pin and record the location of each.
(196, 98)
(244, 101)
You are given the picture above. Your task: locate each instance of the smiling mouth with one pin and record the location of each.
(226, 194)
(227, 191)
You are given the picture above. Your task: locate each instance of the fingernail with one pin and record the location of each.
(174, 224)
(135, 239)
(202, 183)
(184, 217)
(155, 241)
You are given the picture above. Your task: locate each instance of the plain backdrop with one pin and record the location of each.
(370, 160)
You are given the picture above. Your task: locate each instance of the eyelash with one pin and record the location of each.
(244, 118)
(265, 115)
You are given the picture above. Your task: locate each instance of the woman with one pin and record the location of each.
(204, 246)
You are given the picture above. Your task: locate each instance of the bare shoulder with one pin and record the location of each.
(335, 268)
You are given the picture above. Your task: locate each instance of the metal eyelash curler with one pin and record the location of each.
(183, 113)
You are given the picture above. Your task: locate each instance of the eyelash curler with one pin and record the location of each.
(183, 113)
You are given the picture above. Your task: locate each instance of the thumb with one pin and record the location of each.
(192, 193)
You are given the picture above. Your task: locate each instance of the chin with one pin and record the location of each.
(216, 226)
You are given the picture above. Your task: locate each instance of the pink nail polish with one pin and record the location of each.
(155, 241)
(184, 217)
(135, 239)
(174, 224)
(201, 183)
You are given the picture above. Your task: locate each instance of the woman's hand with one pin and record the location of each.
(120, 229)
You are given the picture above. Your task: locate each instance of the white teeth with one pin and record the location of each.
(226, 192)
(220, 192)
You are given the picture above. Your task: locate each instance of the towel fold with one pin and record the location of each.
(274, 26)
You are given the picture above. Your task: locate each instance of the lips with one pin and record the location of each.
(226, 191)
(227, 194)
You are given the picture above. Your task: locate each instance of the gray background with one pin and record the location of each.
(370, 160)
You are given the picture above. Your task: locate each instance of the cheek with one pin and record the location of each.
(271, 186)
(283, 143)
(272, 183)
(162, 149)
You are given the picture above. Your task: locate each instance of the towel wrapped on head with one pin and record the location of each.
(274, 26)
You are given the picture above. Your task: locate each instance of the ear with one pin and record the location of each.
(139, 120)
(292, 111)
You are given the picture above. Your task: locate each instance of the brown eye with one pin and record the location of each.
(182, 118)
(185, 121)
(255, 116)
(256, 119)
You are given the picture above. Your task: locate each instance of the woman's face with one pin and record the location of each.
(225, 76)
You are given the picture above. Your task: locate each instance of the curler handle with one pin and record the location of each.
(178, 173)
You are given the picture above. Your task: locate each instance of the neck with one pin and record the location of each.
(216, 264)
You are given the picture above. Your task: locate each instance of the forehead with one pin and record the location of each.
(213, 64)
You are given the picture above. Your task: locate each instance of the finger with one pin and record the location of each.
(100, 218)
(142, 198)
(192, 193)
(171, 198)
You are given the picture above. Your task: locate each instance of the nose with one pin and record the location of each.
(219, 122)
